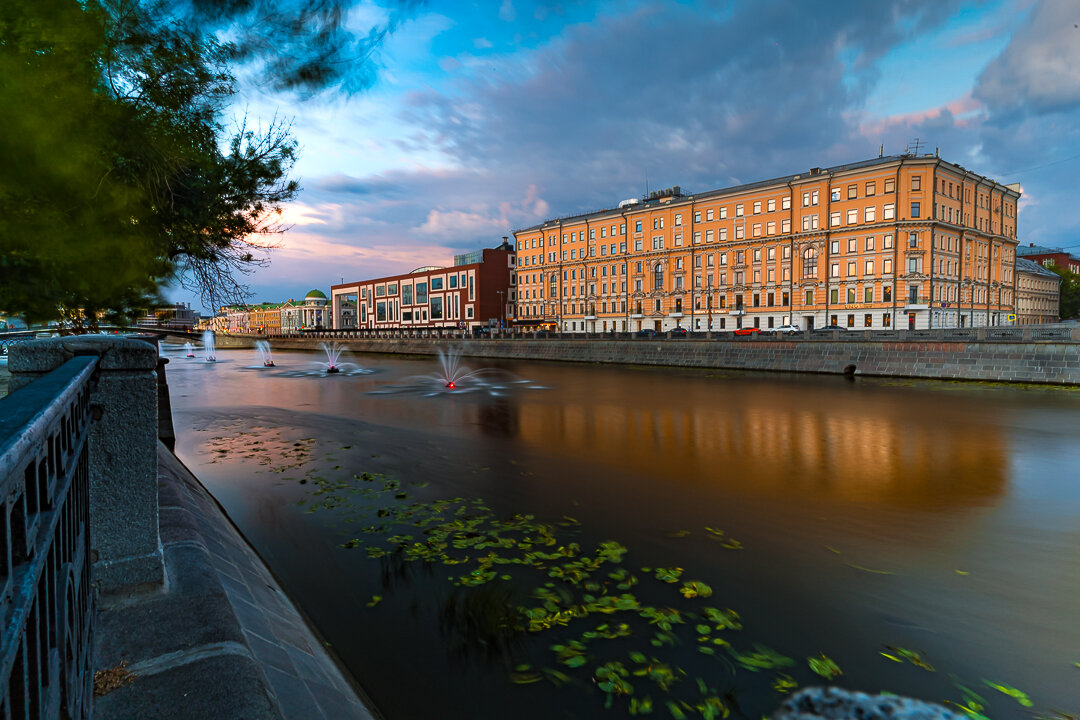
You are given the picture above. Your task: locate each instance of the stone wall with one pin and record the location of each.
(1029, 362)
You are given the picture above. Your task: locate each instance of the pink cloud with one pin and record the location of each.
(961, 110)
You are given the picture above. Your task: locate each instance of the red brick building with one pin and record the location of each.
(477, 291)
(1049, 257)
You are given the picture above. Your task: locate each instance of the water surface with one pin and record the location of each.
(938, 517)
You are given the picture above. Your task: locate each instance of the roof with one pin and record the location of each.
(812, 173)
(1032, 249)
(315, 294)
(1033, 268)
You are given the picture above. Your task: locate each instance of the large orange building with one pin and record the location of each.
(899, 241)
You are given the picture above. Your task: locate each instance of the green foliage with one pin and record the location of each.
(118, 173)
(824, 666)
(1070, 292)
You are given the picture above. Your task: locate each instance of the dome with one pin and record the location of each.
(316, 294)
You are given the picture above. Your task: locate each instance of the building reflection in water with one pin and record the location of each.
(886, 447)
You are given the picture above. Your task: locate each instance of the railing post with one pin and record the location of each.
(122, 443)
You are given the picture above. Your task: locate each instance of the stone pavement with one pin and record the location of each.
(221, 639)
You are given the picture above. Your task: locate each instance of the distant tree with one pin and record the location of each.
(1070, 292)
(119, 174)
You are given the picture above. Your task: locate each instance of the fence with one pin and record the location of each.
(45, 557)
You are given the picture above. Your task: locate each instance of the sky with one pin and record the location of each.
(488, 117)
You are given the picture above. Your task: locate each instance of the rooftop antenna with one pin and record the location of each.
(913, 147)
(646, 183)
(881, 150)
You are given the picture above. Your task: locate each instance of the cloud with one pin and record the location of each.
(507, 11)
(1040, 68)
(482, 43)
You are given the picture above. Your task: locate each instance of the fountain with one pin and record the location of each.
(189, 350)
(263, 348)
(333, 353)
(455, 378)
(208, 345)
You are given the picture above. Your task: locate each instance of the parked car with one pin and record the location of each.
(748, 331)
(646, 333)
(830, 328)
(787, 330)
(678, 332)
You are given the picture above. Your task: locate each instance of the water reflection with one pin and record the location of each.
(769, 442)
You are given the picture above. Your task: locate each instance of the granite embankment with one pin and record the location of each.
(1032, 361)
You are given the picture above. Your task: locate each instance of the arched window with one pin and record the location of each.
(809, 265)
(658, 277)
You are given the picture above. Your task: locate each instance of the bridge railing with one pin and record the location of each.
(45, 559)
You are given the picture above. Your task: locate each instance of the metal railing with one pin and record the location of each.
(45, 562)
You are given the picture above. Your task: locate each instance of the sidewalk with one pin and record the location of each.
(221, 639)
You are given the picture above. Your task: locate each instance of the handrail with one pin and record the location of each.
(46, 604)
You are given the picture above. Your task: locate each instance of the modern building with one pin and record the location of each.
(1038, 293)
(173, 317)
(897, 241)
(475, 292)
(1050, 257)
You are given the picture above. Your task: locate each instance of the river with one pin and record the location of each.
(879, 527)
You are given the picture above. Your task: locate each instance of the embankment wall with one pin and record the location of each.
(1023, 362)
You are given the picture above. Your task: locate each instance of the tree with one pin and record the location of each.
(1070, 292)
(119, 175)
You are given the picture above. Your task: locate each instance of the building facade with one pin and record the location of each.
(899, 241)
(1050, 257)
(1038, 293)
(173, 317)
(475, 292)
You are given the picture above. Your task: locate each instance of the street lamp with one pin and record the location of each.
(502, 309)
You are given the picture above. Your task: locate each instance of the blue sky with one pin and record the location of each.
(486, 117)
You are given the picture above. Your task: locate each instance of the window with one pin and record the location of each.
(868, 294)
(603, 232)
(915, 209)
(678, 218)
(638, 244)
(809, 297)
(886, 266)
(785, 225)
(658, 277)
(916, 182)
(757, 207)
(757, 230)
(769, 299)
(886, 320)
(886, 242)
(869, 268)
(739, 210)
(890, 185)
(723, 235)
(637, 226)
(834, 247)
(697, 216)
(739, 229)
(421, 293)
(708, 236)
(851, 320)
(810, 262)
(834, 270)
(835, 195)
(785, 203)
(888, 212)
(380, 311)
(380, 290)
(852, 192)
(870, 189)
(851, 296)
(709, 214)
(834, 218)
(406, 294)
(772, 205)
(852, 245)
(834, 296)
(851, 268)
(913, 240)
(852, 216)
(870, 214)
(868, 320)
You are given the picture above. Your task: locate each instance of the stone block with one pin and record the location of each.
(830, 703)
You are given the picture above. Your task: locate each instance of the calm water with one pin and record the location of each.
(940, 518)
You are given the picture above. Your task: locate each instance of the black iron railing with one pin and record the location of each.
(46, 600)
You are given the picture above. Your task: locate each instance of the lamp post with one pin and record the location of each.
(502, 309)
